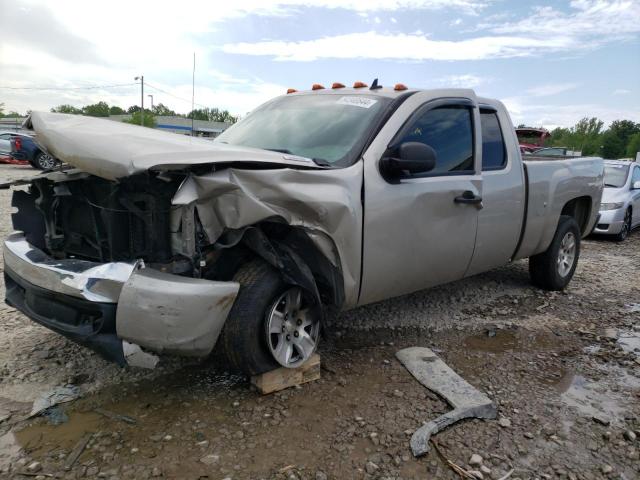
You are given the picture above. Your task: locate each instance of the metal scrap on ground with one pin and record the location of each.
(437, 376)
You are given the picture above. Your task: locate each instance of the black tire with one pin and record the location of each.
(544, 268)
(626, 228)
(243, 341)
(43, 161)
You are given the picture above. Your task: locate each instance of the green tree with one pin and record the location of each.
(212, 115)
(133, 109)
(1, 109)
(66, 109)
(149, 120)
(624, 129)
(100, 109)
(633, 147)
(613, 146)
(160, 110)
(114, 110)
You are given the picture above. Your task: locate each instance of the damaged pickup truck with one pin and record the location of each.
(147, 242)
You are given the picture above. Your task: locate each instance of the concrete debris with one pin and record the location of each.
(136, 357)
(54, 397)
(437, 376)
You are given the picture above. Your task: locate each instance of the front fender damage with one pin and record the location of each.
(323, 206)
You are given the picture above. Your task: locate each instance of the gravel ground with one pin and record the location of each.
(563, 368)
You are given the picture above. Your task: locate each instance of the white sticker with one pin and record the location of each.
(362, 102)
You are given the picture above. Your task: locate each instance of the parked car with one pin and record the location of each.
(620, 208)
(531, 139)
(5, 144)
(25, 148)
(315, 202)
(554, 152)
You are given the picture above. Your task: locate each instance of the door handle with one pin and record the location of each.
(468, 198)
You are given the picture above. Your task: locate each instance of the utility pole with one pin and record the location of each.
(193, 90)
(141, 78)
(151, 97)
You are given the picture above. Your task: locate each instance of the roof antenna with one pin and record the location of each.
(374, 85)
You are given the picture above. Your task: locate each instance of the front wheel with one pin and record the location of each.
(626, 227)
(554, 268)
(44, 161)
(271, 323)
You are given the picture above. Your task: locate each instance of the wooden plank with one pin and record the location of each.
(282, 378)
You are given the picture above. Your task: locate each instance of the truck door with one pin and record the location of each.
(635, 177)
(500, 220)
(420, 228)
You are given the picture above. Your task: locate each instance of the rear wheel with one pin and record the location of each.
(626, 227)
(554, 268)
(271, 323)
(44, 161)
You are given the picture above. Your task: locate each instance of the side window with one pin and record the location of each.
(636, 175)
(449, 131)
(494, 153)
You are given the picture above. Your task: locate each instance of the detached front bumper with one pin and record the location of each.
(610, 222)
(116, 308)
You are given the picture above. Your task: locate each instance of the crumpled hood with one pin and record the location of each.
(113, 150)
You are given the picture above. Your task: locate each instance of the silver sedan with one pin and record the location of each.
(620, 207)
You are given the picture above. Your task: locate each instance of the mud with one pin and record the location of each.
(552, 362)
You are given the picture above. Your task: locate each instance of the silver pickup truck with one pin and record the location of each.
(320, 201)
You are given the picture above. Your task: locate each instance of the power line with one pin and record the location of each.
(172, 95)
(93, 87)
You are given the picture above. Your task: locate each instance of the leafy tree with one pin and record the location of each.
(100, 109)
(66, 109)
(633, 146)
(114, 110)
(133, 109)
(212, 115)
(624, 129)
(612, 145)
(149, 120)
(160, 110)
(1, 109)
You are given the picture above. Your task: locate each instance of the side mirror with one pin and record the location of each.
(635, 186)
(411, 157)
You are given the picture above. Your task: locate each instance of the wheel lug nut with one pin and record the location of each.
(296, 334)
(283, 329)
(299, 321)
(288, 338)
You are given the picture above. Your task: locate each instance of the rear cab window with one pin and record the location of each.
(494, 151)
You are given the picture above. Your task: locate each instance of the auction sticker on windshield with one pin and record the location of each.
(362, 102)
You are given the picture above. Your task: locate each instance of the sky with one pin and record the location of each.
(550, 62)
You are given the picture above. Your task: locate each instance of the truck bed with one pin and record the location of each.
(551, 184)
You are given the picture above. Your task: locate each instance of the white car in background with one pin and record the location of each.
(620, 207)
(5, 144)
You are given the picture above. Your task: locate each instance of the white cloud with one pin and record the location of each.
(621, 91)
(461, 81)
(553, 115)
(398, 47)
(589, 24)
(551, 89)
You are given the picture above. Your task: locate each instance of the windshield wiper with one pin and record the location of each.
(279, 150)
(321, 162)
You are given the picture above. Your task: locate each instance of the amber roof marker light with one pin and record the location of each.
(360, 85)
(317, 86)
(337, 85)
(400, 86)
(291, 90)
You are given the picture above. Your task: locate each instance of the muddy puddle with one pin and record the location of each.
(503, 340)
(608, 397)
(629, 341)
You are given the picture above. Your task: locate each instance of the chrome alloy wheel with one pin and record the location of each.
(292, 329)
(567, 254)
(46, 161)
